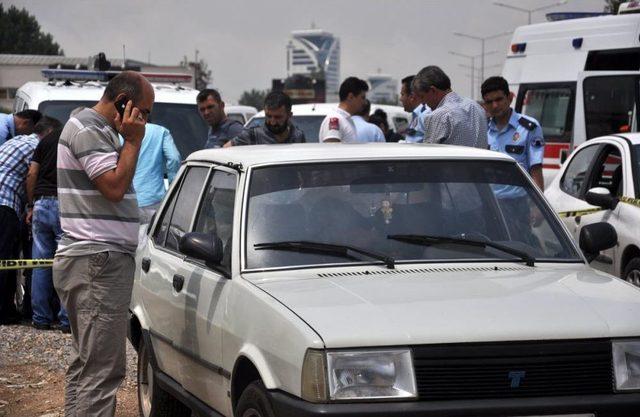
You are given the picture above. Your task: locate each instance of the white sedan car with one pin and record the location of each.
(600, 183)
(378, 280)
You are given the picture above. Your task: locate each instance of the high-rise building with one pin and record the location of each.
(315, 53)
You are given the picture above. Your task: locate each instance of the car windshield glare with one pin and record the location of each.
(362, 203)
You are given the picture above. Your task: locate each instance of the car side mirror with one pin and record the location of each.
(597, 237)
(204, 246)
(601, 197)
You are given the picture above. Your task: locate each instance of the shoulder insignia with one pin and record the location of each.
(334, 123)
(526, 123)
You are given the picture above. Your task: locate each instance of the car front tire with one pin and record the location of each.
(153, 401)
(632, 272)
(254, 402)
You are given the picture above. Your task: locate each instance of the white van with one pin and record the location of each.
(240, 113)
(578, 77)
(309, 117)
(174, 108)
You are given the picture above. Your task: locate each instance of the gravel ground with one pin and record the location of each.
(32, 366)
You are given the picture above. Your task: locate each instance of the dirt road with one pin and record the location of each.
(32, 366)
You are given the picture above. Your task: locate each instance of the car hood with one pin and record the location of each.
(471, 303)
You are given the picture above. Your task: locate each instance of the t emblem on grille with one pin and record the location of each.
(516, 378)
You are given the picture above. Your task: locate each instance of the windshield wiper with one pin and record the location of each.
(427, 240)
(318, 247)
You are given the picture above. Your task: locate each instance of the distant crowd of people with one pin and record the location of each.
(82, 190)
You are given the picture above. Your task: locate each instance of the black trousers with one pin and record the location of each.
(9, 233)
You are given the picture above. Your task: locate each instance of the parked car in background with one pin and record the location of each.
(375, 280)
(240, 113)
(600, 182)
(309, 117)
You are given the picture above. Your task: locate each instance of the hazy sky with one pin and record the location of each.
(244, 41)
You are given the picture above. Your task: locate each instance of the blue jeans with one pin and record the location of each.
(46, 232)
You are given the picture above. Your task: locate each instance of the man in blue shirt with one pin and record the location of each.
(20, 123)
(221, 128)
(365, 131)
(15, 157)
(411, 103)
(521, 138)
(512, 133)
(158, 156)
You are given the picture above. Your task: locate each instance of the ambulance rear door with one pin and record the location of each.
(606, 103)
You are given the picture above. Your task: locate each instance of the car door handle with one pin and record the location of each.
(146, 263)
(578, 218)
(178, 282)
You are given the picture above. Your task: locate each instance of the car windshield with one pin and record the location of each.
(404, 210)
(188, 129)
(310, 125)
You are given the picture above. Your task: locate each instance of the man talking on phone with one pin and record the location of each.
(94, 264)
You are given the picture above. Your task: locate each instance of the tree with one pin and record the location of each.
(201, 72)
(612, 6)
(253, 98)
(20, 34)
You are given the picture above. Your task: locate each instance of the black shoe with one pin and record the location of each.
(10, 320)
(65, 329)
(41, 326)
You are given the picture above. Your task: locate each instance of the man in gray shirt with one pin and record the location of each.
(277, 126)
(221, 128)
(455, 120)
(94, 265)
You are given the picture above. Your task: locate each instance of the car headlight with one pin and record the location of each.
(358, 375)
(626, 364)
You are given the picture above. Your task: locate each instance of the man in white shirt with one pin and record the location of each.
(365, 131)
(338, 126)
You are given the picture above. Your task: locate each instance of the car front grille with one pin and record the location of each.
(511, 370)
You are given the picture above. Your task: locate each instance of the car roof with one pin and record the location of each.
(317, 152)
(39, 91)
(633, 138)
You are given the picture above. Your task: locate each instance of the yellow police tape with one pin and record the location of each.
(575, 213)
(9, 264)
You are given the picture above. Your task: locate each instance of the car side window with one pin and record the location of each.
(608, 171)
(181, 209)
(216, 211)
(402, 123)
(573, 180)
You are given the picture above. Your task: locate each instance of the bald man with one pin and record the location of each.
(94, 264)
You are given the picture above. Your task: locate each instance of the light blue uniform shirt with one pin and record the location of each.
(367, 132)
(524, 145)
(7, 127)
(415, 131)
(158, 155)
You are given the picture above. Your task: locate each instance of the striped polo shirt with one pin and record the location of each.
(89, 147)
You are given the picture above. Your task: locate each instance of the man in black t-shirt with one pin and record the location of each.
(44, 216)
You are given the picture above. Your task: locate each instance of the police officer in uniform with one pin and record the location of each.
(521, 138)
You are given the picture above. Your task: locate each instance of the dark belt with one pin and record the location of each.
(46, 197)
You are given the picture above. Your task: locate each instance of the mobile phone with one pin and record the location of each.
(120, 105)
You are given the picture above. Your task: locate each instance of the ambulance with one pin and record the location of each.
(578, 76)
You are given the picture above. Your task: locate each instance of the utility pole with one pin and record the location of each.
(472, 67)
(482, 40)
(529, 11)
